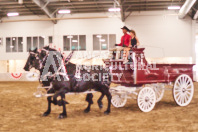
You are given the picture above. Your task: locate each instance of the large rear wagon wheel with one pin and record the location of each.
(146, 99)
(183, 90)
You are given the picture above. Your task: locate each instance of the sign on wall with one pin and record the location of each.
(32, 76)
(16, 76)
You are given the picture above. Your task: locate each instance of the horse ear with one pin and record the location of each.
(35, 50)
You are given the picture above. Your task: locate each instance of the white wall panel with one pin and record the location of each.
(161, 33)
(163, 36)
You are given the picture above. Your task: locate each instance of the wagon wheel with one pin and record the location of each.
(159, 92)
(183, 90)
(118, 100)
(146, 99)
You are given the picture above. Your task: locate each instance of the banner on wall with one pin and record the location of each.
(16, 76)
(32, 76)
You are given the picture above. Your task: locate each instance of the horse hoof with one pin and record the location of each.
(106, 112)
(86, 110)
(45, 114)
(100, 105)
(62, 116)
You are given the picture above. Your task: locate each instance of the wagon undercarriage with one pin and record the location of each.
(149, 94)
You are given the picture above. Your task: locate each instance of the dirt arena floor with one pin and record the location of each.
(21, 111)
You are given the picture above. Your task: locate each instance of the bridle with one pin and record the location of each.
(36, 58)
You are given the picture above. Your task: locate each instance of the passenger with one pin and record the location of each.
(134, 42)
(125, 42)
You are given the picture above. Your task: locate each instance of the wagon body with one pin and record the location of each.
(148, 81)
(139, 71)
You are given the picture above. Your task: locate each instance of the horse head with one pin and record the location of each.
(32, 61)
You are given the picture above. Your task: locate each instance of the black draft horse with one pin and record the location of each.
(62, 85)
(35, 60)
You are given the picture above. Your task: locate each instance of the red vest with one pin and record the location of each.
(125, 40)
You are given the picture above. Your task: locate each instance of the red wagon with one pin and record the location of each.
(148, 81)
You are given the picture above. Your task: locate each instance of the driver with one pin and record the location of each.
(125, 43)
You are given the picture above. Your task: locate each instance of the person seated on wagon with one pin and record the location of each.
(134, 42)
(125, 41)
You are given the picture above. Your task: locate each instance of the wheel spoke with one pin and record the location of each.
(185, 98)
(182, 99)
(188, 93)
(177, 88)
(178, 93)
(178, 84)
(179, 97)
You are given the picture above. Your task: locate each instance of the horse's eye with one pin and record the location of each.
(32, 57)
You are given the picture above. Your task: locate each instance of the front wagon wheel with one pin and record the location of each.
(146, 99)
(183, 90)
(118, 100)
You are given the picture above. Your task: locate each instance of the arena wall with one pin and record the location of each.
(161, 33)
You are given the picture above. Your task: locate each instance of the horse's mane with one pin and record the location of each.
(49, 49)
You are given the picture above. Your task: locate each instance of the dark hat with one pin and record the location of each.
(125, 28)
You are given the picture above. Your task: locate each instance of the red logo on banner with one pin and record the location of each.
(16, 75)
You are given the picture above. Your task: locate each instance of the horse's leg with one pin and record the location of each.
(58, 93)
(49, 99)
(100, 104)
(64, 113)
(105, 90)
(90, 102)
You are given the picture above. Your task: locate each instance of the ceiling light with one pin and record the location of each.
(114, 9)
(102, 40)
(174, 7)
(75, 41)
(70, 36)
(64, 11)
(11, 46)
(20, 1)
(99, 36)
(13, 14)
